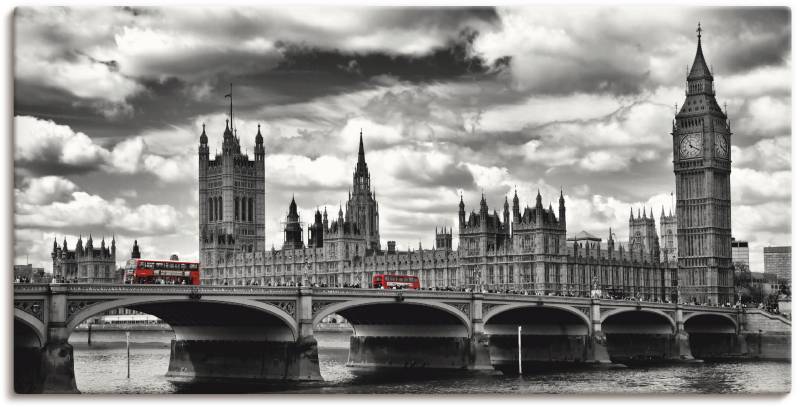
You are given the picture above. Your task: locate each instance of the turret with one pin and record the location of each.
(506, 218)
(484, 208)
(461, 213)
(79, 247)
(610, 243)
(515, 207)
(54, 253)
(562, 210)
(293, 233)
(259, 149)
(135, 251)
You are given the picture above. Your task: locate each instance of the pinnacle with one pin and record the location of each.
(699, 66)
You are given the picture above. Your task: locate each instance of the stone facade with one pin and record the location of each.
(701, 136)
(669, 237)
(231, 189)
(85, 264)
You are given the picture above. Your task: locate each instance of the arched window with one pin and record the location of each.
(216, 208)
(236, 208)
(210, 209)
(250, 216)
(219, 208)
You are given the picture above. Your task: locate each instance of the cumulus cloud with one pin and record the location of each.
(45, 190)
(52, 147)
(44, 147)
(85, 210)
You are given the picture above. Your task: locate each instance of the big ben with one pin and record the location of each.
(701, 160)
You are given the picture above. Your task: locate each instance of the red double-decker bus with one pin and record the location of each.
(139, 271)
(394, 281)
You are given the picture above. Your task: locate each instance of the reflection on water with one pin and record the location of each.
(101, 368)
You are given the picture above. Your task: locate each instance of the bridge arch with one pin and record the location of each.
(342, 308)
(138, 302)
(510, 307)
(617, 312)
(36, 326)
(710, 322)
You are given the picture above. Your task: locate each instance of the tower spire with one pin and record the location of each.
(699, 66)
(230, 96)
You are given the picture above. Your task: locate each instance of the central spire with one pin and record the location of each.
(361, 165)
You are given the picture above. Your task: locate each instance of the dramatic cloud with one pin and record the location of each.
(110, 102)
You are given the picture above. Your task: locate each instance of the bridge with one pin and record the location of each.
(258, 334)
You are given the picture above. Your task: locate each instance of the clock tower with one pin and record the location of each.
(702, 165)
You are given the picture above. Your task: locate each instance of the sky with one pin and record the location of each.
(109, 104)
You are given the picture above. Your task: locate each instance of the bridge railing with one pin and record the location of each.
(75, 288)
(372, 292)
(31, 288)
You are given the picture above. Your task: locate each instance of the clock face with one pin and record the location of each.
(691, 145)
(720, 146)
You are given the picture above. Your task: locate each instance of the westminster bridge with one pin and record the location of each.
(253, 333)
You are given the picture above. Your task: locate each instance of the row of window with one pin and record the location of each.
(243, 209)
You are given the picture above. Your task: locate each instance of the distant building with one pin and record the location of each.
(669, 237)
(778, 261)
(740, 252)
(85, 264)
(30, 274)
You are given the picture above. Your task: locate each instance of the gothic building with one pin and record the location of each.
(231, 198)
(361, 205)
(701, 138)
(85, 264)
(643, 235)
(525, 249)
(669, 237)
(293, 232)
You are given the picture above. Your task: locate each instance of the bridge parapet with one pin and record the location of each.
(27, 288)
(370, 292)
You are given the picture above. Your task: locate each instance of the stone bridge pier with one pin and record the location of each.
(401, 331)
(583, 331)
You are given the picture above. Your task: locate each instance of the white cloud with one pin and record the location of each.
(47, 189)
(36, 139)
(764, 115)
(87, 211)
(749, 186)
(602, 161)
(45, 144)
(769, 154)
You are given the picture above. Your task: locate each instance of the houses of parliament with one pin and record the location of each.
(528, 248)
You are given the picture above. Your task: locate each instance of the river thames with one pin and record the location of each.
(101, 368)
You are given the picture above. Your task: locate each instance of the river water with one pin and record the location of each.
(101, 368)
